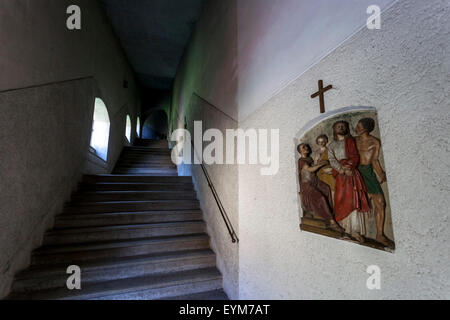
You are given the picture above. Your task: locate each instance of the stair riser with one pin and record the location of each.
(149, 161)
(145, 168)
(69, 238)
(149, 172)
(78, 257)
(146, 165)
(130, 207)
(145, 179)
(159, 293)
(108, 220)
(134, 197)
(165, 174)
(151, 154)
(145, 159)
(152, 144)
(137, 148)
(137, 187)
(165, 171)
(58, 279)
(144, 149)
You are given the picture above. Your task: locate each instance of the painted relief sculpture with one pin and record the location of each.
(343, 187)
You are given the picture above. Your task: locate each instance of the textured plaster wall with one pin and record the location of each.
(205, 89)
(46, 115)
(403, 71)
(281, 39)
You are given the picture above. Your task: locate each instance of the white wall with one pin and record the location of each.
(402, 70)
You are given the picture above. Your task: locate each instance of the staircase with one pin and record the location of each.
(136, 234)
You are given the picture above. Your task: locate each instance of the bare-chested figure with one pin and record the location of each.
(369, 151)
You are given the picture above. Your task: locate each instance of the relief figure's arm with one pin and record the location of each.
(376, 163)
(313, 168)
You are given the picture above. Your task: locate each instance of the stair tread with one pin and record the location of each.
(101, 245)
(68, 216)
(123, 227)
(134, 192)
(45, 270)
(124, 177)
(99, 203)
(122, 286)
(140, 183)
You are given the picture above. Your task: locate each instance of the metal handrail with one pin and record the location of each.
(228, 224)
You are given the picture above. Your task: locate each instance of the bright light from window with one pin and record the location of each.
(138, 127)
(128, 129)
(100, 129)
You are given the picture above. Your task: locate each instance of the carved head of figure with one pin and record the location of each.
(322, 140)
(365, 125)
(341, 128)
(304, 149)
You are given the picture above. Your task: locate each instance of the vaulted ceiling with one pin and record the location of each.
(154, 34)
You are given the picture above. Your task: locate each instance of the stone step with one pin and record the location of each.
(208, 295)
(133, 196)
(54, 276)
(151, 143)
(122, 232)
(149, 171)
(139, 288)
(136, 186)
(145, 163)
(128, 149)
(77, 253)
(167, 164)
(121, 218)
(130, 206)
(147, 151)
(137, 164)
(156, 145)
(135, 178)
(146, 156)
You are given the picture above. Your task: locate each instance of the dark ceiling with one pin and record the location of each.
(154, 34)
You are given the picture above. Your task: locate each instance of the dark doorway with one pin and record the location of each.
(155, 126)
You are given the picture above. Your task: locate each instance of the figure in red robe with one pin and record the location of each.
(351, 200)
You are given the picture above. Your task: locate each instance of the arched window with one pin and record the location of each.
(128, 128)
(138, 127)
(100, 129)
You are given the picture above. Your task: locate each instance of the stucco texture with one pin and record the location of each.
(403, 71)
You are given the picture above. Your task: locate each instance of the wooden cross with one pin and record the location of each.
(320, 93)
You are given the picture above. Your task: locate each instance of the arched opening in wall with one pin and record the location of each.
(128, 129)
(138, 127)
(100, 129)
(155, 126)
